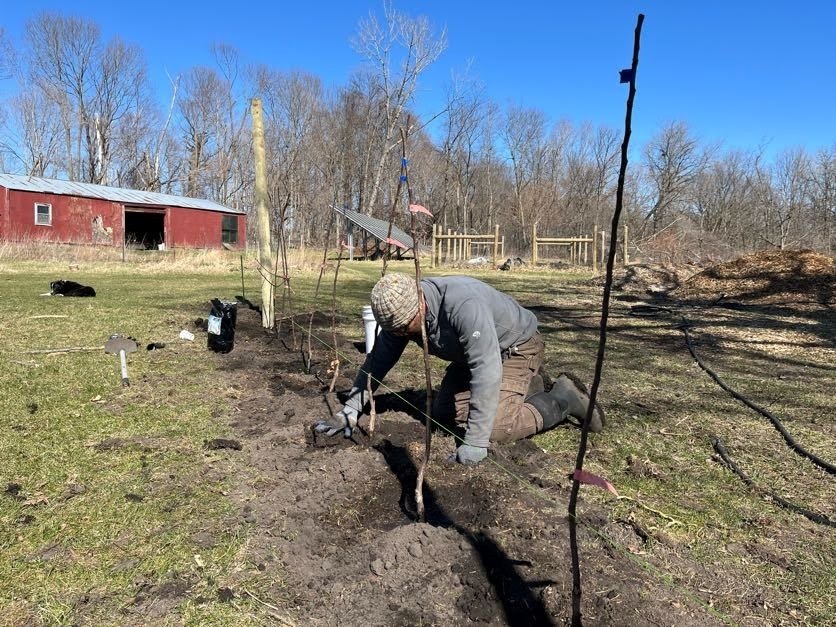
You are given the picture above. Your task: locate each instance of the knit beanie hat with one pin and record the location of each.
(394, 301)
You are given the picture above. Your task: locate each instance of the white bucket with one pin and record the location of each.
(369, 324)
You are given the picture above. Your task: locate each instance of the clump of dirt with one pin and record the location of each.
(771, 276)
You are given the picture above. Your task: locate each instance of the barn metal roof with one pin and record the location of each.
(375, 227)
(103, 192)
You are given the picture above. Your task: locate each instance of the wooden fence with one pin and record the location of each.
(456, 246)
(582, 250)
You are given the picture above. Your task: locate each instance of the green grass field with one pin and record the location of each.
(106, 489)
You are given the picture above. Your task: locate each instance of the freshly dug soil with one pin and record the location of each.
(335, 534)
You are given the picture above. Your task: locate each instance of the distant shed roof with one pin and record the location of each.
(376, 228)
(103, 192)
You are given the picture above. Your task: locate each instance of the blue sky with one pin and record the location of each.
(744, 73)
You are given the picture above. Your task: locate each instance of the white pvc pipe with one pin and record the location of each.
(369, 324)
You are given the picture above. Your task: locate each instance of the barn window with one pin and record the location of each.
(43, 214)
(229, 230)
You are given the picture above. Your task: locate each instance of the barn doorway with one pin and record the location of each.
(145, 229)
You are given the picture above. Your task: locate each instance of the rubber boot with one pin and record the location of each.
(572, 395)
(549, 408)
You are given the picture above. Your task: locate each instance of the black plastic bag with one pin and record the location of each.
(221, 326)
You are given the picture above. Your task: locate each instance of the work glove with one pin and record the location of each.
(470, 455)
(344, 420)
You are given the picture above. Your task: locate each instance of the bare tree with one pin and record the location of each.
(724, 198)
(397, 53)
(8, 57)
(90, 84)
(39, 140)
(199, 111)
(301, 173)
(791, 181)
(212, 115)
(673, 159)
(822, 190)
(230, 174)
(524, 136)
(119, 72)
(145, 153)
(466, 111)
(61, 58)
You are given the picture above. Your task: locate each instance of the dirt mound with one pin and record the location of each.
(646, 278)
(772, 276)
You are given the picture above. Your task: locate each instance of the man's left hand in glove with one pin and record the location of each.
(469, 455)
(344, 420)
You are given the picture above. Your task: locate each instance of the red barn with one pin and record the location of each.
(82, 213)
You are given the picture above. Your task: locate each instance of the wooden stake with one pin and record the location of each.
(71, 349)
(372, 411)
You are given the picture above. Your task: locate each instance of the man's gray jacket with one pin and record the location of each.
(468, 323)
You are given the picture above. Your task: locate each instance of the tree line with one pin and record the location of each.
(83, 108)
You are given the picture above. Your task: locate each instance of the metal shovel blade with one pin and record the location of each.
(121, 345)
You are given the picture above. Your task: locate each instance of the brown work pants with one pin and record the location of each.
(515, 419)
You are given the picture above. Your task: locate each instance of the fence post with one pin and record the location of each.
(495, 244)
(448, 245)
(603, 246)
(534, 244)
(595, 248)
(432, 248)
(626, 257)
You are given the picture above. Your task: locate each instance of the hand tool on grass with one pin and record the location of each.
(121, 345)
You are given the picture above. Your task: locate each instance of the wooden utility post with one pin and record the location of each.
(268, 318)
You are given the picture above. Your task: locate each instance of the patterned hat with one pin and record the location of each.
(394, 301)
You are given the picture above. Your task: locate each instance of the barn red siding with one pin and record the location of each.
(198, 228)
(72, 219)
(81, 220)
